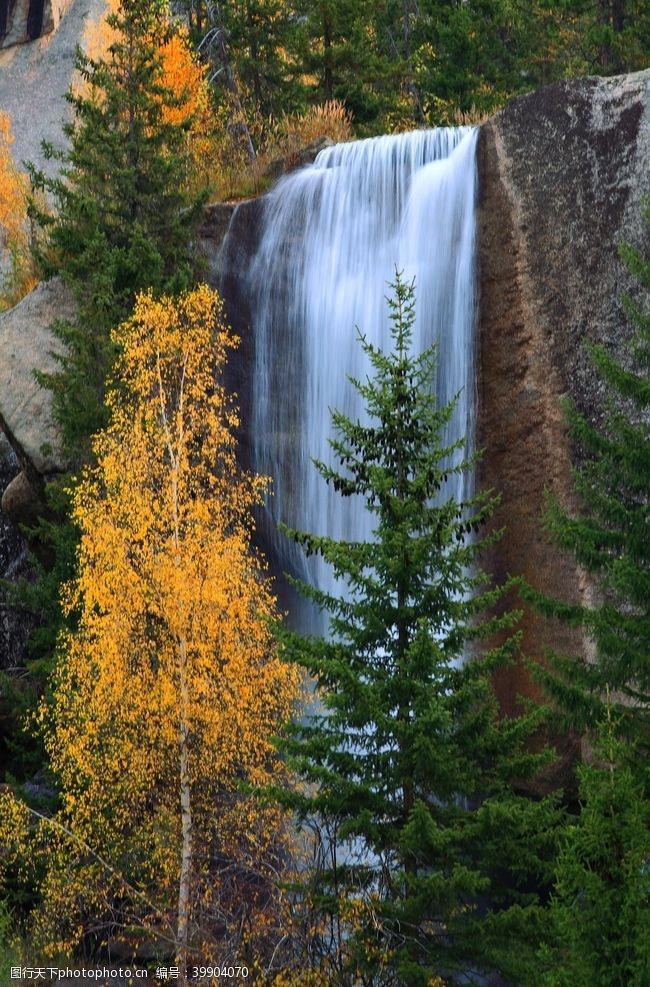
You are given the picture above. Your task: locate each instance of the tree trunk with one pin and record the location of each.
(255, 60)
(605, 18)
(411, 86)
(182, 932)
(618, 15)
(217, 42)
(328, 75)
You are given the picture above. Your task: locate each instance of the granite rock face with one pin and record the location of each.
(35, 77)
(24, 20)
(26, 345)
(563, 173)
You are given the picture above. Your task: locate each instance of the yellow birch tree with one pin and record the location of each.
(168, 693)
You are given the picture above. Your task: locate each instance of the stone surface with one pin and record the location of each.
(24, 20)
(21, 501)
(26, 345)
(34, 79)
(297, 159)
(230, 277)
(212, 235)
(562, 175)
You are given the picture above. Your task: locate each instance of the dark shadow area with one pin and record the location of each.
(4, 17)
(35, 19)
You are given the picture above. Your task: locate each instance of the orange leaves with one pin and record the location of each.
(186, 76)
(14, 241)
(13, 189)
(173, 648)
(184, 90)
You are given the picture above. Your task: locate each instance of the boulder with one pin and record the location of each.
(21, 501)
(297, 159)
(27, 345)
(24, 20)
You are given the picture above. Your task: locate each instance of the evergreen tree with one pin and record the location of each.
(610, 538)
(407, 765)
(337, 44)
(600, 905)
(122, 221)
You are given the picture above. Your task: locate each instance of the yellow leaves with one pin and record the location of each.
(173, 629)
(14, 829)
(13, 188)
(329, 119)
(14, 240)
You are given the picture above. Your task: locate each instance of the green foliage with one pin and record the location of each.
(404, 63)
(10, 951)
(55, 538)
(604, 38)
(610, 537)
(600, 904)
(408, 763)
(122, 221)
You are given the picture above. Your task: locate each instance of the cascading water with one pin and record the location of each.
(333, 236)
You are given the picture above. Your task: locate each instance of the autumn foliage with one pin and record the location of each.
(169, 691)
(183, 74)
(16, 276)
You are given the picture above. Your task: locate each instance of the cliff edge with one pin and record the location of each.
(563, 174)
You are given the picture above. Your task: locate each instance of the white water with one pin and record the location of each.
(333, 235)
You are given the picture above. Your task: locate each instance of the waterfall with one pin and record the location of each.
(333, 235)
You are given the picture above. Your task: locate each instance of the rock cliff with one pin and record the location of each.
(562, 175)
(27, 20)
(34, 78)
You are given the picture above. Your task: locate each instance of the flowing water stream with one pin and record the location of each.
(334, 234)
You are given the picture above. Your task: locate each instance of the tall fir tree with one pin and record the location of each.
(610, 537)
(122, 221)
(407, 764)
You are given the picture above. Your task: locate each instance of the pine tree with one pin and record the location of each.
(122, 220)
(610, 537)
(407, 766)
(602, 883)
